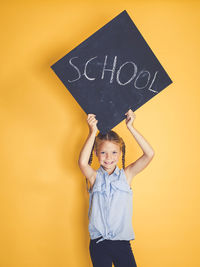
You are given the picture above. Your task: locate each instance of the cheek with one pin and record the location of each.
(118, 156)
(101, 157)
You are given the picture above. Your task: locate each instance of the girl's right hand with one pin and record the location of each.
(92, 123)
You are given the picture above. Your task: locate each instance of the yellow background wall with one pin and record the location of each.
(43, 200)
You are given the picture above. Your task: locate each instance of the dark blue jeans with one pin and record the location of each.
(106, 252)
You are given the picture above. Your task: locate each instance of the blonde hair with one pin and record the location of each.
(112, 137)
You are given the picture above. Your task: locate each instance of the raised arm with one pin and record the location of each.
(148, 152)
(84, 156)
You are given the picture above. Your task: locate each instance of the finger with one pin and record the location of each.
(91, 121)
(90, 117)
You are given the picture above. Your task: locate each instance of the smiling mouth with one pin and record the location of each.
(108, 163)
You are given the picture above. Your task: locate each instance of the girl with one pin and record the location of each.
(110, 207)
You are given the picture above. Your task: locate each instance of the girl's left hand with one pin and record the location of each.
(130, 116)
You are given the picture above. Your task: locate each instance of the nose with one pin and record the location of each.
(108, 156)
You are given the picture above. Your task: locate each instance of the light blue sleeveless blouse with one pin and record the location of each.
(110, 207)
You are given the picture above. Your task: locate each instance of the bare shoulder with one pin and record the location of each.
(88, 172)
(134, 168)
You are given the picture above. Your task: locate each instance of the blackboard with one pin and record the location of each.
(112, 71)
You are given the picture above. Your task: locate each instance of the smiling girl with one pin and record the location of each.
(110, 202)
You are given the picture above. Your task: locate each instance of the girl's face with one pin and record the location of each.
(108, 154)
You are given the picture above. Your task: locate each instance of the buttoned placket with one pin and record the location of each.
(108, 178)
(107, 201)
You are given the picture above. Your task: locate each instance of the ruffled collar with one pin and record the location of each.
(116, 171)
(107, 184)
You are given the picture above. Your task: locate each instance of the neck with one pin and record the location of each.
(108, 170)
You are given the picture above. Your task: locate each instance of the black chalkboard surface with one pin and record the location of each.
(112, 71)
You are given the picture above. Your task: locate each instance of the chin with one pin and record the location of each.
(109, 165)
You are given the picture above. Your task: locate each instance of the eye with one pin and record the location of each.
(102, 152)
(114, 152)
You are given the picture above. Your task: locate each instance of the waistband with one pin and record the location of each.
(101, 238)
